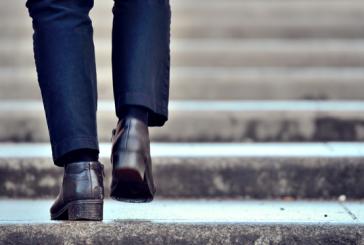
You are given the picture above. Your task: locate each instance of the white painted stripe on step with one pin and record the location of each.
(208, 150)
(239, 106)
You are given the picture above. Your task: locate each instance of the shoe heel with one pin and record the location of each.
(129, 167)
(86, 210)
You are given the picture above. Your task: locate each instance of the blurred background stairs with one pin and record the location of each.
(266, 104)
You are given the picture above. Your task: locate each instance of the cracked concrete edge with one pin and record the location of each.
(216, 178)
(147, 232)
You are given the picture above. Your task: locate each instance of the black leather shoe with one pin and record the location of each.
(132, 179)
(82, 193)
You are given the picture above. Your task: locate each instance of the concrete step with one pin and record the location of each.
(223, 83)
(222, 19)
(192, 222)
(188, 27)
(211, 121)
(321, 171)
(222, 52)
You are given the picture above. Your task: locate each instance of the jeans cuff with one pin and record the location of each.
(74, 143)
(158, 110)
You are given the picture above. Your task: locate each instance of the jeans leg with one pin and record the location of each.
(141, 57)
(65, 60)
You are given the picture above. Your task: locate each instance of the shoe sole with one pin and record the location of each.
(132, 184)
(81, 210)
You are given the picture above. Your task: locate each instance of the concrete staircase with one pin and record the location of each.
(209, 171)
(266, 105)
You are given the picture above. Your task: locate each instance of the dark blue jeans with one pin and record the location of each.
(65, 60)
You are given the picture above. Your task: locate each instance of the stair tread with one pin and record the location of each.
(188, 222)
(213, 105)
(233, 212)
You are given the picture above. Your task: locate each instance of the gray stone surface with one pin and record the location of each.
(288, 124)
(260, 177)
(223, 83)
(187, 222)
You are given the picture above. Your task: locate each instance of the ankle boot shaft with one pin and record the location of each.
(81, 193)
(83, 180)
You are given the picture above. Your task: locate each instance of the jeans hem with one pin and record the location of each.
(74, 143)
(158, 110)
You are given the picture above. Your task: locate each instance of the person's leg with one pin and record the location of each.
(141, 64)
(141, 57)
(65, 61)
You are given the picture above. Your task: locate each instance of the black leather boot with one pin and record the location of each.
(132, 179)
(82, 193)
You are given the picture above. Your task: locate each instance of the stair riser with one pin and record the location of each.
(217, 178)
(147, 232)
(222, 84)
(195, 29)
(200, 126)
(254, 58)
(277, 8)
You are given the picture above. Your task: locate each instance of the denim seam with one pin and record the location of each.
(144, 95)
(61, 7)
(68, 9)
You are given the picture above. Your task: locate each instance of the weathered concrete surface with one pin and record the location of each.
(144, 232)
(286, 125)
(223, 83)
(208, 177)
(27, 222)
(222, 52)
